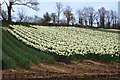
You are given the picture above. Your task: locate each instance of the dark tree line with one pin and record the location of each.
(83, 17)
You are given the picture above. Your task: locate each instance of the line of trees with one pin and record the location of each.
(102, 17)
(85, 17)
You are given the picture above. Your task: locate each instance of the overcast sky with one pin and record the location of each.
(49, 6)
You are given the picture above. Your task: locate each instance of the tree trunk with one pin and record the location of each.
(68, 21)
(58, 18)
(108, 25)
(91, 22)
(54, 20)
(115, 22)
(97, 24)
(9, 12)
(85, 22)
(102, 21)
(80, 21)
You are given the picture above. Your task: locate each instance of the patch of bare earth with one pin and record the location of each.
(86, 69)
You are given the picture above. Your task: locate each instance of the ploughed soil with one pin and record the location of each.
(84, 70)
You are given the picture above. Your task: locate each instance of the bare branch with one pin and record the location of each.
(29, 4)
(59, 9)
(21, 14)
(3, 3)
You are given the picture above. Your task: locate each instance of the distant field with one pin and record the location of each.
(23, 45)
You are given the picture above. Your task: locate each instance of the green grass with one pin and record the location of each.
(30, 56)
(9, 62)
(29, 49)
(19, 58)
(16, 53)
(23, 55)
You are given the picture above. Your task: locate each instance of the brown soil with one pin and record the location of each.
(87, 70)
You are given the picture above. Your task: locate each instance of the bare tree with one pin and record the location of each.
(91, 13)
(53, 17)
(47, 18)
(68, 14)
(59, 9)
(80, 16)
(114, 18)
(29, 3)
(102, 13)
(73, 20)
(108, 15)
(21, 15)
(85, 15)
(97, 18)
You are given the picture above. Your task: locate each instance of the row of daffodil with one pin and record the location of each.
(68, 40)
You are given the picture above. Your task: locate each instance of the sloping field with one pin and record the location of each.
(15, 53)
(39, 43)
(37, 49)
(68, 40)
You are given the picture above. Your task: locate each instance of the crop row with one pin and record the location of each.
(16, 53)
(68, 41)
